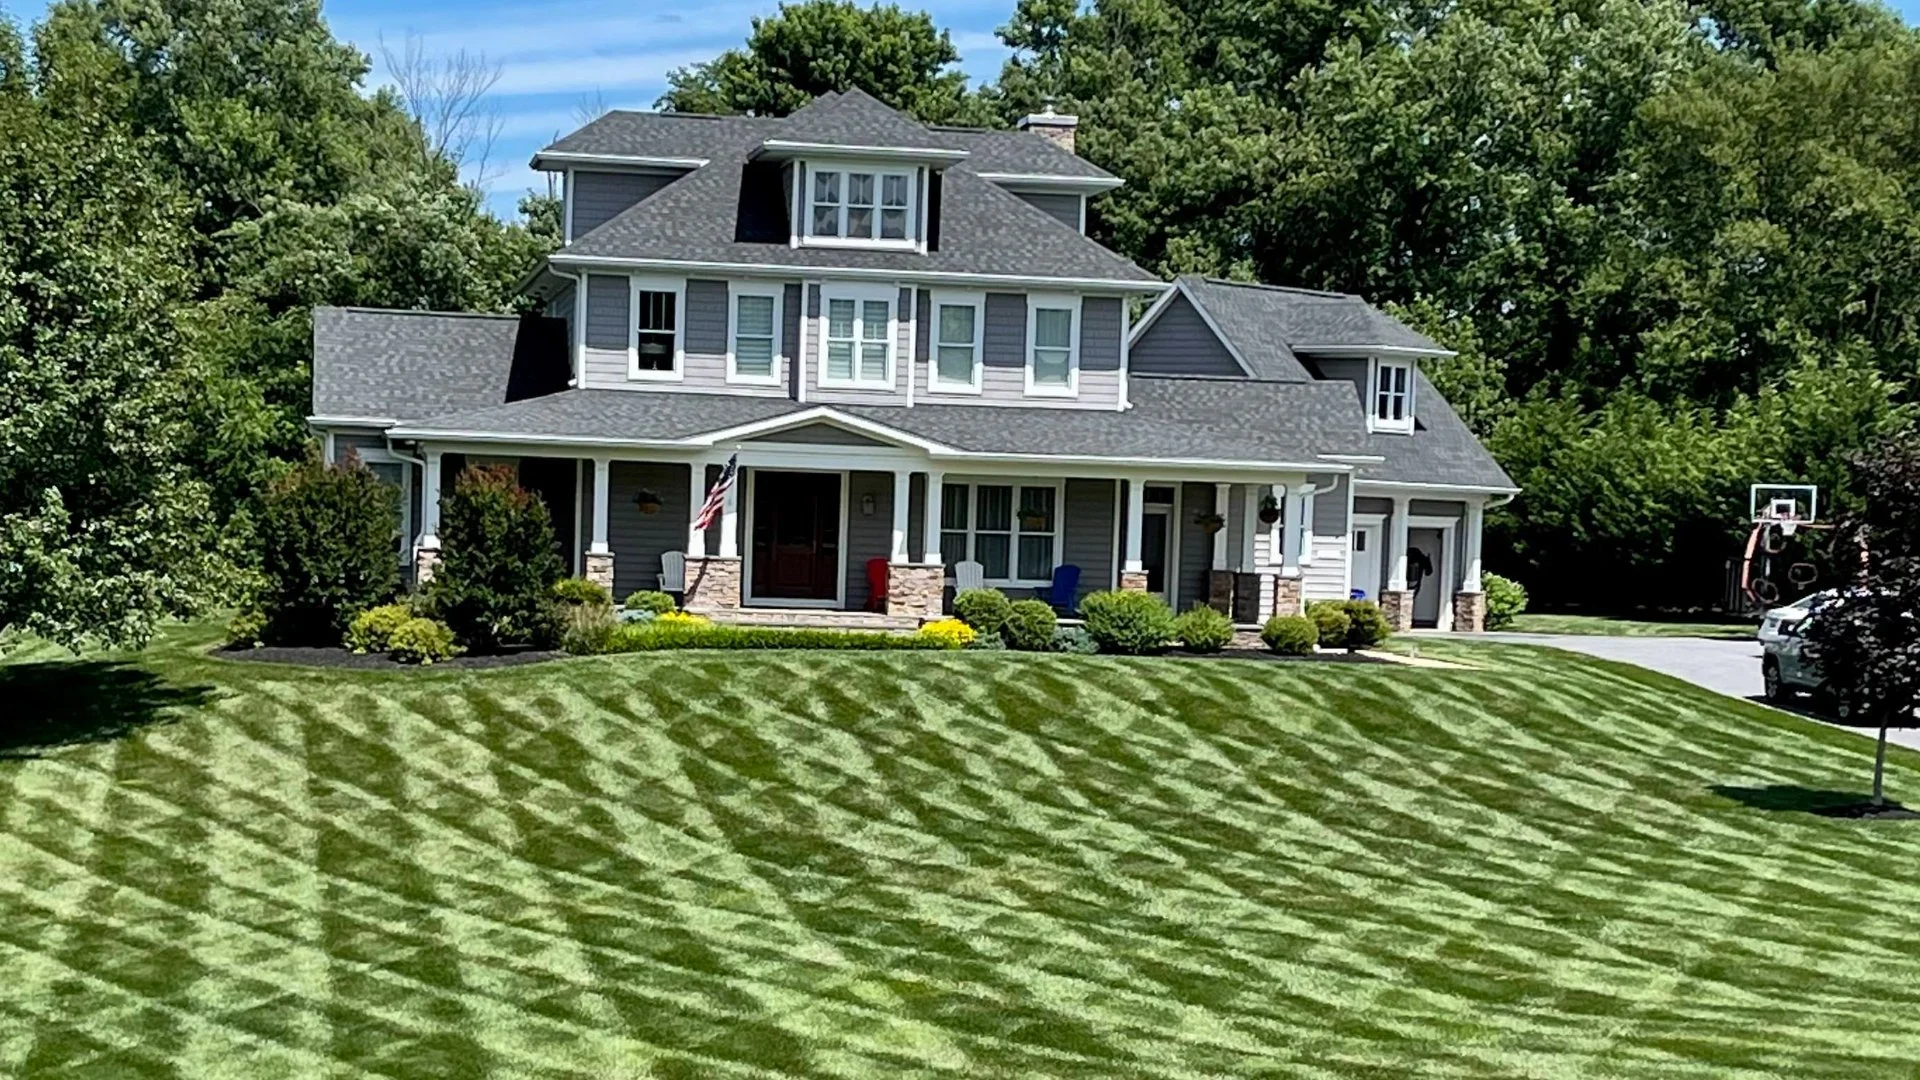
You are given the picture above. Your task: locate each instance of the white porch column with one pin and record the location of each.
(1476, 519)
(1136, 524)
(936, 492)
(1277, 554)
(1249, 526)
(730, 520)
(1307, 493)
(1222, 500)
(430, 503)
(1291, 530)
(602, 474)
(901, 493)
(696, 497)
(1397, 546)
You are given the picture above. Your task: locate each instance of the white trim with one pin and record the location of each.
(1355, 352)
(543, 158)
(327, 448)
(1014, 533)
(785, 148)
(1348, 572)
(1083, 215)
(956, 298)
(1447, 526)
(1389, 486)
(806, 297)
(910, 360)
(860, 296)
(1165, 301)
(845, 170)
(1125, 401)
(1376, 526)
(778, 294)
(602, 505)
(1041, 182)
(352, 421)
(579, 548)
(796, 205)
(1053, 302)
(637, 284)
(566, 207)
(579, 330)
(1375, 422)
(699, 268)
(839, 601)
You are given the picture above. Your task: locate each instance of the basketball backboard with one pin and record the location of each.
(1795, 503)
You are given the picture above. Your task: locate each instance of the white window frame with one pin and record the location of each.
(950, 298)
(1375, 422)
(973, 484)
(778, 294)
(861, 296)
(637, 284)
(803, 229)
(1053, 301)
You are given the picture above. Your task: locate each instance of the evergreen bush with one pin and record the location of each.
(1128, 623)
(422, 641)
(650, 601)
(499, 561)
(1506, 598)
(986, 610)
(1330, 620)
(1201, 629)
(371, 631)
(1290, 635)
(328, 549)
(1030, 625)
(1075, 641)
(579, 592)
(1366, 626)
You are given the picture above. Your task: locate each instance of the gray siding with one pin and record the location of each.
(1179, 342)
(1353, 371)
(1099, 334)
(608, 317)
(1062, 208)
(1004, 345)
(1326, 577)
(1196, 545)
(704, 338)
(1372, 504)
(818, 435)
(639, 539)
(599, 197)
(896, 394)
(917, 517)
(1088, 539)
(791, 321)
(868, 536)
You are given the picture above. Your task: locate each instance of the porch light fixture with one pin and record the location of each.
(867, 505)
(647, 501)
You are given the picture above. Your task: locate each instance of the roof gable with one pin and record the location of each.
(857, 118)
(373, 364)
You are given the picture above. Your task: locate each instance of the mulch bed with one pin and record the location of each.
(336, 657)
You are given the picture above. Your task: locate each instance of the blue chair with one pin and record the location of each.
(1061, 594)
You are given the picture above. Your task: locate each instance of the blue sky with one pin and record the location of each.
(556, 54)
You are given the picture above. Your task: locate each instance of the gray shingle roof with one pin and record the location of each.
(856, 118)
(1270, 326)
(1020, 152)
(606, 415)
(1441, 450)
(400, 365)
(700, 217)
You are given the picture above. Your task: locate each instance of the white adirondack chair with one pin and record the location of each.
(673, 571)
(968, 575)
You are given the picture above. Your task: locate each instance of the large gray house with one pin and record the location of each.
(920, 362)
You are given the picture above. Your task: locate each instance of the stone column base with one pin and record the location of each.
(713, 583)
(916, 590)
(1469, 612)
(1133, 581)
(425, 561)
(1220, 591)
(1286, 595)
(1246, 598)
(1397, 606)
(599, 569)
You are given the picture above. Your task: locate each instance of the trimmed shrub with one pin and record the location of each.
(422, 641)
(950, 633)
(1075, 641)
(1506, 598)
(681, 618)
(371, 631)
(665, 633)
(1201, 629)
(986, 610)
(498, 563)
(988, 643)
(1128, 623)
(649, 600)
(585, 630)
(327, 549)
(1290, 635)
(1330, 619)
(1030, 625)
(1366, 626)
(579, 592)
(247, 629)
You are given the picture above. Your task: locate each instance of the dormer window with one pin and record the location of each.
(1392, 382)
(854, 205)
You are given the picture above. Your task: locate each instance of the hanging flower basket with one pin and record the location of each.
(647, 501)
(1210, 523)
(1269, 510)
(1033, 521)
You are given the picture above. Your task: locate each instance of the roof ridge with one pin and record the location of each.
(365, 310)
(1296, 290)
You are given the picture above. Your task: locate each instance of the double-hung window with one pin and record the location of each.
(956, 343)
(754, 347)
(857, 335)
(1053, 346)
(859, 204)
(1392, 395)
(1011, 530)
(654, 316)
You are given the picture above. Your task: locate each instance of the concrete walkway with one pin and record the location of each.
(1726, 667)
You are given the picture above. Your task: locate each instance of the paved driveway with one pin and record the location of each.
(1728, 667)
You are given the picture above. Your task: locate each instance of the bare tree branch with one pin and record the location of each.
(591, 107)
(448, 96)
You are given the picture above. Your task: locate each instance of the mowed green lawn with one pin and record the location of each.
(967, 865)
(1611, 626)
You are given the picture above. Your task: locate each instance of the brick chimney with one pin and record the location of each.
(1052, 126)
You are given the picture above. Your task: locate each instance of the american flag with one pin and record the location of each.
(717, 498)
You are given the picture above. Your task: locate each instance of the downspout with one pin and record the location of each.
(913, 342)
(577, 348)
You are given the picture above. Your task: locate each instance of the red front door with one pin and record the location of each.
(796, 536)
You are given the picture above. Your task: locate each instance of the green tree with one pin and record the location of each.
(814, 46)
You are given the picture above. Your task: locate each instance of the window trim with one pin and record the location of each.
(956, 298)
(973, 484)
(778, 294)
(637, 284)
(1375, 422)
(803, 233)
(374, 455)
(1051, 302)
(860, 295)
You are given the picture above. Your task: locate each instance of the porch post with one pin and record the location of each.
(902, 490)
(1470, 602)
(1219, 574)
(730, 520)
(936, 482)
(1291, 507)
(1249, 525)
(1222, 496)
(599, 560)
(1396, 602)
(1133, 572)
(696, 497)
(426, 549)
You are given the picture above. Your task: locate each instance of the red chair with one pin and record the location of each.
(877, 585)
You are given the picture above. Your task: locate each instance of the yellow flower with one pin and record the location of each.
(950, 633)
(681, 618)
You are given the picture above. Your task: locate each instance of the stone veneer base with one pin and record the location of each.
(1133, 581)
(425, 562)
(1286, 595)
(599, 569)
(1397, 606)
(916, 590)
(1469, 612)
(713, 583)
